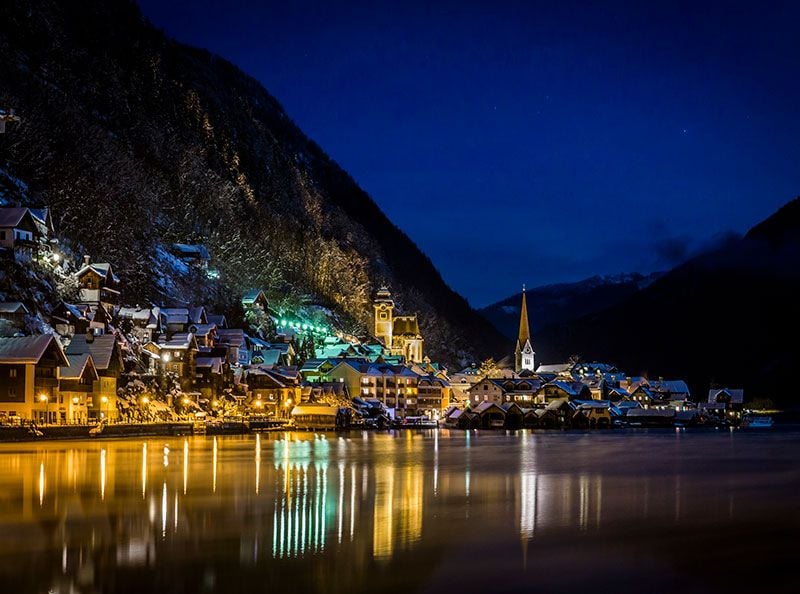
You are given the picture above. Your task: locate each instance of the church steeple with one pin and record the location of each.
(524, 329)
(524, 353)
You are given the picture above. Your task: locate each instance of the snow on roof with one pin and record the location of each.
(270, 356)
(486, 405)
(30, 349)
(252, 295)
(735, 396)
(555, 368)
(314, 409)
(194, 250)
(179, 340)
(77, 364)
(102, 269)
(214, 363)
(231, 336)
(100, 347)
(12, 216)
(672, 386)
(13, 307)
(217, 319)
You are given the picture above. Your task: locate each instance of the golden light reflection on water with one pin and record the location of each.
(374, 498)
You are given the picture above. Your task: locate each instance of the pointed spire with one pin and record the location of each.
(524, 329)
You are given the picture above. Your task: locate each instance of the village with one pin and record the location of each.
(99, 361)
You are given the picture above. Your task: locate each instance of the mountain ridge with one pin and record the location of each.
(136, 141)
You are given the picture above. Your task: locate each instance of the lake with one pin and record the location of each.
(407, 511)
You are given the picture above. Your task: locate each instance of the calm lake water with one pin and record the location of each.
(422, 511)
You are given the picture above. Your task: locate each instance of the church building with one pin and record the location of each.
(524, 355)
(400, 335)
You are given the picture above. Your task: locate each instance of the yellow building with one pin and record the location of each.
(399, 334)
(29, 377)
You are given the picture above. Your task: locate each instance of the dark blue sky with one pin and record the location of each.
(534, 142)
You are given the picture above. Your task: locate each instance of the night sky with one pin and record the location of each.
(534, 142)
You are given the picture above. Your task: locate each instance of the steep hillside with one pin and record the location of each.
(730, 316)
(556, 304)
(136, 142)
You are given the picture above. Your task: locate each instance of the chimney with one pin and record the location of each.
(86, 259)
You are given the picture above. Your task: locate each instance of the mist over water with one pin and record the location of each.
(425, 511)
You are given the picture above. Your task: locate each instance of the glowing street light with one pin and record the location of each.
(43, 398)
(103, 402)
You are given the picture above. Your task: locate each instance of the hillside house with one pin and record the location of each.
(176, 355)
(142, 323)
(19, 233)
(99, 285)
(12, 317)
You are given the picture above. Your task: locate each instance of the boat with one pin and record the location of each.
(422, 422)
(757, 422)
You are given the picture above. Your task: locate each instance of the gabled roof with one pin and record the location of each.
(231, 336)
(143, 316)
(13, 307)
(13, 216)
(102, 348)
(213, 363)
(672, 386)
(556, 368)
(179, 340)
(78, 365)
(197, 315)
(486, 406)
(101, 269)
(30, 349)
(217, 319)
(736, 396)
(251, 296)
(42, 216)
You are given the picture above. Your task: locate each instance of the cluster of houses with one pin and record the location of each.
(108, 360)
(197, 362)
(578, 394)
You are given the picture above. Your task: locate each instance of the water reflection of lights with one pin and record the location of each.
(214, 466)
(300, 516)
(528, 487)
(144, 469)
(185, 465)
(103, 473)
(41, 484)
(258, 462)
(382, 542)
(164, 511)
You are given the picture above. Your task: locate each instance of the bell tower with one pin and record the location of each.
(384, 317)
(524, 355)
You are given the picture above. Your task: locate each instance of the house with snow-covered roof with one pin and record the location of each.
(29, 374)
(19, 233)
(99, 286)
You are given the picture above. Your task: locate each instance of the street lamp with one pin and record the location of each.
(46, 400)
(103, 401)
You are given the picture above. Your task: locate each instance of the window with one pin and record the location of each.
(12, 373)
(2, 235)
(12, 392)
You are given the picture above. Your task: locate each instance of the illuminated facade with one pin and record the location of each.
(524, 355)
(399, 334)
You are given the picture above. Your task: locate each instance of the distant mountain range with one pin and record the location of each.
(137, 142)
(727, 317)
(555, 304)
